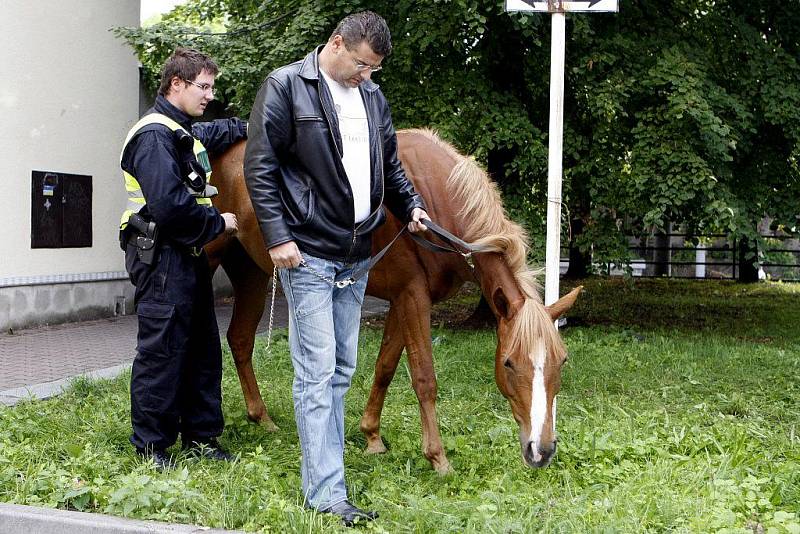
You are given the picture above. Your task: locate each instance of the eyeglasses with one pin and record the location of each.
(205, 87)
(361, 67)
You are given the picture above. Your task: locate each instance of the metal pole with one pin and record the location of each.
(556, 141)
(700, 261)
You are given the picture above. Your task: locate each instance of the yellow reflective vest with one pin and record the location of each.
(136, 198)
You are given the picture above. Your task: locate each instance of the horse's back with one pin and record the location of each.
(426, 160)
(228, 178)
(428, 163)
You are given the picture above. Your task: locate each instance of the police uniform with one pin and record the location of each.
(177, 373)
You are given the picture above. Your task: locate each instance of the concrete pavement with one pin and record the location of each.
(39, 362)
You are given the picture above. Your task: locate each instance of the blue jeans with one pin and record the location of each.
(323, 339)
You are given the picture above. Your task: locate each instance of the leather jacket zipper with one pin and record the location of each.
(373, 212)
(383, 188)
(352, 247)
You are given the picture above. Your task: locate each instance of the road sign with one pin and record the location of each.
(556, 6)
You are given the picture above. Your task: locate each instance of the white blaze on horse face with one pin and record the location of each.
(538, 400)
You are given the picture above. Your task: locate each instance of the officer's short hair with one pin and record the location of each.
(368, 27)
(186, 64)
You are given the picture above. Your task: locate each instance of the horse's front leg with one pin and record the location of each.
(415, 317)
(249, 287)
(385, 367)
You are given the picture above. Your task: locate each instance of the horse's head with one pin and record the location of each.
(528, 364)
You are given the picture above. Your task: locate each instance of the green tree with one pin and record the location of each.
(695, 120)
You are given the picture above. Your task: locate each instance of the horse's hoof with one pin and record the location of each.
(442, 467)
(375, 447)
(265, 422)
(268, 425)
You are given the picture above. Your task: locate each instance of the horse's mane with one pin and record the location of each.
(484, 222)
(483, 218)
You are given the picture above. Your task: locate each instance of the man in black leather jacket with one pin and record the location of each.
(320, 162)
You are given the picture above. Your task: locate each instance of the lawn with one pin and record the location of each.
(679, 411)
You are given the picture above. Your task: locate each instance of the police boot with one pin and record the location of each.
(206, 448)
(161, 460)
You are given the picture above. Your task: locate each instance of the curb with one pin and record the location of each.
(16, 518)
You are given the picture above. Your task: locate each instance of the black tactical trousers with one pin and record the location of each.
(177, 374)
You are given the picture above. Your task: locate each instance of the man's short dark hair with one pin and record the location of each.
(186, 64)
(368, 27)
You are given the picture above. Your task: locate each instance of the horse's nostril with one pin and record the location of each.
(539, 456)
(547, 450)
(533, 454)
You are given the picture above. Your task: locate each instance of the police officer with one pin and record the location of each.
(177, 373)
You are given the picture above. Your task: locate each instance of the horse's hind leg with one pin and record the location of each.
(250, 288)
(385, 367)
(415, 317)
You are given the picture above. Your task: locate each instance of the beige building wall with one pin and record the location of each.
(70, 93)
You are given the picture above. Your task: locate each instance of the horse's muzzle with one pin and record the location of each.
(539, 455)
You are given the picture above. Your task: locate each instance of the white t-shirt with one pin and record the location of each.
(354, 129)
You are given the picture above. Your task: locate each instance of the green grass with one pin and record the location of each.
(680, 411)
(763, 312)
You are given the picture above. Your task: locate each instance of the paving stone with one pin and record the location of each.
(42, 355)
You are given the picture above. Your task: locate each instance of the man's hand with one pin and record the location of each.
(286, 255)
(415, 225)
(231, 224)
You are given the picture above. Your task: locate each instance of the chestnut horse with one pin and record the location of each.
(461, 198)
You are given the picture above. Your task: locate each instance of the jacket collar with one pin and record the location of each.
(164, 107)
(309, 70)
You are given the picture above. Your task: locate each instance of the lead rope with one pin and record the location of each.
(272, 307)
(455, 245)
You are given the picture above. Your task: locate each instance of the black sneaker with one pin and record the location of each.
(207, 448)
(350, 514)
(160, 458)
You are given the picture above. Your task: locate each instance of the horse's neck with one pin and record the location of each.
(497, 280)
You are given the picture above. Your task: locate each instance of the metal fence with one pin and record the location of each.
(676, 255)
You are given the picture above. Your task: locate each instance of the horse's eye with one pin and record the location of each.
(507, 363)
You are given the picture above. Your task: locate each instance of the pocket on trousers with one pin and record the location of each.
(155, 327)
(312, 303)
(310, 293)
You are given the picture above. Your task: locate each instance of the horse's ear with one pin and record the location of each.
(562, 305)
(503, 307)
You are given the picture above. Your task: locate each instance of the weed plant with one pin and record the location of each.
(679, 412)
